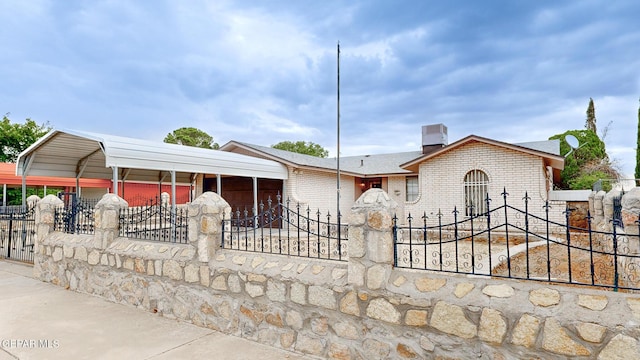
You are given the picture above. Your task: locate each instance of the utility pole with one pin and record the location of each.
(338, 139)
(338, 161)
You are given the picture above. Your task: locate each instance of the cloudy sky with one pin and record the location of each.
(264, 72)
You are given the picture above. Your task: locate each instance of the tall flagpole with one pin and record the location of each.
(338, 138)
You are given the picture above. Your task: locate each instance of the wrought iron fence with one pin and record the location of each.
(512, 243)
(13, 209)
(156, 222)
(17, 233)
(278, 228)
(617, 208)
(76, 216)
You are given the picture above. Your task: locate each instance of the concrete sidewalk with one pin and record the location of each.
(43, 321)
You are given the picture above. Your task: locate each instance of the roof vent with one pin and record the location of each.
(433, 137)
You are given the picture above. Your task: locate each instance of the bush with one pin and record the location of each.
(584, 165)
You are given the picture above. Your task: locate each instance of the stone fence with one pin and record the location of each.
(601, 207)
(359, 309)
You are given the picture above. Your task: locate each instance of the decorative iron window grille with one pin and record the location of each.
(476, 187)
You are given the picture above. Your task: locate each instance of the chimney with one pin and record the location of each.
(434, 137)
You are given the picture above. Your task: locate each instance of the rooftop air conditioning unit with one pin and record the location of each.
(434, 136)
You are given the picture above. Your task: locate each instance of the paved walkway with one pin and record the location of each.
(42, 321)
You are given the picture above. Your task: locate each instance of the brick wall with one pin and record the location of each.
(318, 190)
(442, 179)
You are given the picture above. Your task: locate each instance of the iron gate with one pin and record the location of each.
(17, 233)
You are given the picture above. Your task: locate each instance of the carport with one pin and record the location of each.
(79, 154)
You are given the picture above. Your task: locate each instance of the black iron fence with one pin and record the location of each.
(156, 222)
(277, 228)
(17, 233)
(513, 243)
(12, 209)
(76, 216)
(617, 208)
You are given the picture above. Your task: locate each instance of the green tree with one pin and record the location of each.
(191, 136)
(302, 147)
(637, 173)
(15, 137)
(14, 195)
(590, 124)
(586, 164)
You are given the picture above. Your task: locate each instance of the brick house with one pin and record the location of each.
(441, 176)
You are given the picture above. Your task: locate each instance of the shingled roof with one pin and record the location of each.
(382, 164)
(361, 165)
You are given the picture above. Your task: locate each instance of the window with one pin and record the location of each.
(476, 186)
(370, 183)
(412, 188)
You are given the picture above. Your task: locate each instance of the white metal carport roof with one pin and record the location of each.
(71, 153)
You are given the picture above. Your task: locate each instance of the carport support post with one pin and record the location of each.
(218, 184)
(173, 191)
(4, 194)
(255, 196)
(24, 189)
(173, 205)
(115, 180)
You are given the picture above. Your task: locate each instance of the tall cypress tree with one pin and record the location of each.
(590, 124)
(637, 174)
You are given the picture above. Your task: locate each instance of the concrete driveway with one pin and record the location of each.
(42, 321)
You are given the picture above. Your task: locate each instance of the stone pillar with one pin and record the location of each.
(32, 201)
(592, 197)
(107, 219)
(164, 199)
(598, 213)
(205, 223)
(371, 240)
(607, 208)
(628, 266)
(630, 211)
(45, 221)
